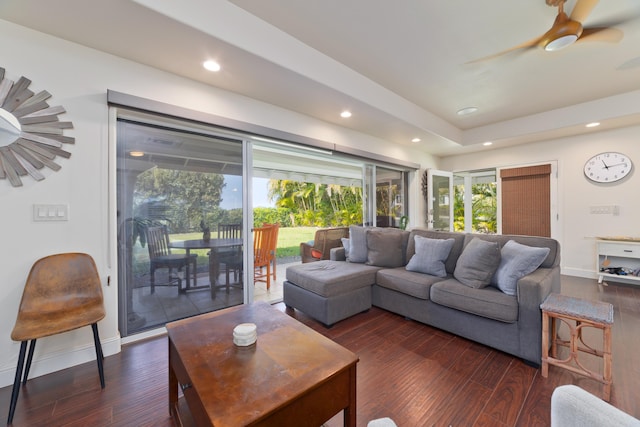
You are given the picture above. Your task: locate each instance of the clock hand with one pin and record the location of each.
(617, 164)
(605, 165)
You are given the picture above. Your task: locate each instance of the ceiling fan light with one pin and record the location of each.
(561, 43)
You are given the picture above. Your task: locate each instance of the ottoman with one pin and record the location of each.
(329, 291)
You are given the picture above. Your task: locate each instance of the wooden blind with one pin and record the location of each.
(526, 207)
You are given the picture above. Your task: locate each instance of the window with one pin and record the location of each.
(475, 206)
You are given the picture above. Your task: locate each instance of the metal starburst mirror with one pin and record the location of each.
(31, 135)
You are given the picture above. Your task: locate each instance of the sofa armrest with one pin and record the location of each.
(535, 287)
(573, 406)
(337, 254)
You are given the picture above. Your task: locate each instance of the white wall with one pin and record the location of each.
(576, 194)
(78, 79)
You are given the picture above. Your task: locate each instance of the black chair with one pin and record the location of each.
(160, 256)
(227, 260)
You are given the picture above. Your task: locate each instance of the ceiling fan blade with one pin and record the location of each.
(582, 9)
(601, 34)
(528, 44)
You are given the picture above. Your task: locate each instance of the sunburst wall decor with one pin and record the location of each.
(31, 136)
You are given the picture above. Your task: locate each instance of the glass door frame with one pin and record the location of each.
(433, 198)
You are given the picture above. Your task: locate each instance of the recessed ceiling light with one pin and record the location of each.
(467, 110)
(345, 114)
(488, 143)
(136, 153)
(211, 65)
(593, 124)
(416, 140)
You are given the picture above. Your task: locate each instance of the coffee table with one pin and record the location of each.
(292, 375)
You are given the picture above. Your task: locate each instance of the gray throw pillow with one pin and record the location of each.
(345, 245)
(477, 263)
(357, 244)
(517, 260)
(385, 247)
(430, 256)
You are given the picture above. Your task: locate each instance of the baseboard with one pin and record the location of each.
(577, 272)
(52, 362)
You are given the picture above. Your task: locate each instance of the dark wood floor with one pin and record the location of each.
(415, 374)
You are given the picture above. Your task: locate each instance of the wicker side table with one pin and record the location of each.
(585, 313)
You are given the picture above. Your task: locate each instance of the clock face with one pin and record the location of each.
(607, 167)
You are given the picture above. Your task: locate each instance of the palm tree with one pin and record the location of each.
(318, 204)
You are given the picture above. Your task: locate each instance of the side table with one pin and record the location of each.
(585, 313)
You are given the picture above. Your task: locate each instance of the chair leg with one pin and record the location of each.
(99, 354)
(268, 275)
(16, 382)
(32, 347)
(152, 278)
(195, 272)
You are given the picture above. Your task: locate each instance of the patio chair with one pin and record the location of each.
(62, 293)
(325, 239)
(274, 247)
(160, 256)
(227, 260)
(262, 248)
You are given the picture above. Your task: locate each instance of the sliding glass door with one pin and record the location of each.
(185, 212)
(180, 222)
(390, 198)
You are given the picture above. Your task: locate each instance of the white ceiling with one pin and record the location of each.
(402, 68)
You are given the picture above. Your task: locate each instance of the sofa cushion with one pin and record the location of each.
(477, 263)
(417, 285)
(456, 250)
(430, 256)
(386, 247)
(487, 302)
(357, 244)
(330, 278)
(517, 261)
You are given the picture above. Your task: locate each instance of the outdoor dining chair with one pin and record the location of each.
(262, 248)
(274, 247)
(160, 256)
(226, 260)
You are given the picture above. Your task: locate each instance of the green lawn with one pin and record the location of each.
(289, 239)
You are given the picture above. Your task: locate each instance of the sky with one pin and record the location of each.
(232, 192)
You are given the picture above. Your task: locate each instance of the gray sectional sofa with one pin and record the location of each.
(487, 288)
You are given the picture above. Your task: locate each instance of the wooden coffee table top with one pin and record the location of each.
(237, 385)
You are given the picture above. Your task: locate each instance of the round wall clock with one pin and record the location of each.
(30, 134)
(607, 167)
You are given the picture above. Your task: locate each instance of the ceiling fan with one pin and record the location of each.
(568, 29)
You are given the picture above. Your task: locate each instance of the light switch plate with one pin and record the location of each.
(48, 213)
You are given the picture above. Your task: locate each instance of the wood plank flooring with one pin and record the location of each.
(415, 374)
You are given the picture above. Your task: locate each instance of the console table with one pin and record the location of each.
(617, 252)
(291, 376)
